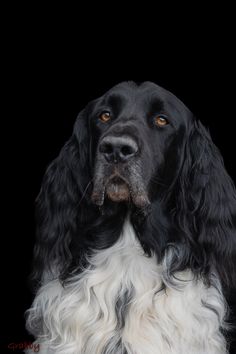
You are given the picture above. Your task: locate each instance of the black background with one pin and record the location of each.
(52, 71)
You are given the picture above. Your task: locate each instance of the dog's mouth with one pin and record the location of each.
(118, 189)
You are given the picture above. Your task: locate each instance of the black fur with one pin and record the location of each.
(191, 199)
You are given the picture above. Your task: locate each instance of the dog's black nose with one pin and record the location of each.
(118, 149)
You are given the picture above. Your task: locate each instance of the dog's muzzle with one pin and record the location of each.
(118, 174)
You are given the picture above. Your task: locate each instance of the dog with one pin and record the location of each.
(136, 232)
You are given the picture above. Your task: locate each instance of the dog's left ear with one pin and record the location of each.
(206, 206)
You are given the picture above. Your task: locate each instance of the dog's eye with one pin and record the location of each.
(105, 117)
(161, 121)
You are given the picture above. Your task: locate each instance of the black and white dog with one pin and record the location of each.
(136, 232)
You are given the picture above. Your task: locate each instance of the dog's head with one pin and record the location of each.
(138, 151)
(136, 134)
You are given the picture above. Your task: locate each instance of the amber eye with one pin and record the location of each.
(105, 117)
(161, 121)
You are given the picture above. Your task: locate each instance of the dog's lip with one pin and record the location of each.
(118, 189)
(117, 179)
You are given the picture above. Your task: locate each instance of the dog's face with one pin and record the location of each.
(137, 133)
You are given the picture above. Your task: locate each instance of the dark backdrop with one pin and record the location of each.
(50, 80)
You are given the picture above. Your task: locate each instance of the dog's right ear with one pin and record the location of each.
(206, 207)
(57, 204)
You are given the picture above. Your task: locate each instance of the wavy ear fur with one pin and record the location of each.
(206, 207)
(57, 203)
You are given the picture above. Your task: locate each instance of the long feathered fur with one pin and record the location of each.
(206, 208)
(187, 232)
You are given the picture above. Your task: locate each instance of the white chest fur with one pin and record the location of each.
(117, 306)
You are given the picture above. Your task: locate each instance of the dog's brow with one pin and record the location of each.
(115, 99)
(155, 105)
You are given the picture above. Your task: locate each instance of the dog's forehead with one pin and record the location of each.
(145, 95)
(145, 92)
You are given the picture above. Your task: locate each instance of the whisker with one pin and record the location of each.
(156, 181)
(84, 193)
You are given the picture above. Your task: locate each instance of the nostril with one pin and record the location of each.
(106, 148)
(127, 150)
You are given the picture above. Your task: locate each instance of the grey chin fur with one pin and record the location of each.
(131, 174)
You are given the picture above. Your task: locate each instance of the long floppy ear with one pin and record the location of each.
(57, 203)
(206, 207)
